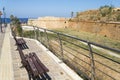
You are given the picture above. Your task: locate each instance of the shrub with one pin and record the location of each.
(118, 17)
(16, 25)
(105, 10)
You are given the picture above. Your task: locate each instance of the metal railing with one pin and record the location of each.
(89, 62)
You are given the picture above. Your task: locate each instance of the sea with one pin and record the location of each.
(22, 20)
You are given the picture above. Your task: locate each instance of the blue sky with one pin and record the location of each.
(58, 8)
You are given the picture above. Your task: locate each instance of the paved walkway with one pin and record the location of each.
(56, 71)
(1, 40)
(10, 62)
(6, 68)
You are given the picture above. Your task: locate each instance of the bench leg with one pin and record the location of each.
(47, 76)
(33, 77)
(43, 77)
(25, 46)
(38, 78)
(29, 75)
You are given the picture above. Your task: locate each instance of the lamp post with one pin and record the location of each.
(4, 17)
(1, 21)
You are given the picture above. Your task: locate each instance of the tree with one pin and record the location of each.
(11, 18)
(16, 25)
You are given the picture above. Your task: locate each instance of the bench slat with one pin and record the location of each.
(32, 66)
(21, 41)
(37, 65)
(22, 56)
(41, 64)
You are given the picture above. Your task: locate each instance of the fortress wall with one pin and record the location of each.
(111, 30)
(49, 22)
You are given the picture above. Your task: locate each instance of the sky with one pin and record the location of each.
(57, 8)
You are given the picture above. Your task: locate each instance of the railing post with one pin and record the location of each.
(92, 62)
(38, 35)
(35, 32)
(1, 23)
(22, 33)
(47, 39)
(61, 46)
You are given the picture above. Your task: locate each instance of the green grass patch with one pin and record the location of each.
(103, 40)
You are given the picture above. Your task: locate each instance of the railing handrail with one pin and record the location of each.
(89, 49)
(95, 44)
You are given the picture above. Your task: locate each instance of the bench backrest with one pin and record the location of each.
(42, 65)
(22, 56)
(35, 65)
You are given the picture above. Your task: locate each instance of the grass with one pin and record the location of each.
(94, 38)
(103, 40)
(52, 36)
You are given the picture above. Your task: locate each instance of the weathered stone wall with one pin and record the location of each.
(111, 30)
(49, 22)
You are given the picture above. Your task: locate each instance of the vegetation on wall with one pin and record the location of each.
(105, 10)
(104, 13)
(118, 17)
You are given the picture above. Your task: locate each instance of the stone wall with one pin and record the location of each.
(111, 30)
(49, 22)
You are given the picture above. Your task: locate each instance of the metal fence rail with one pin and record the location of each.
(80, 55)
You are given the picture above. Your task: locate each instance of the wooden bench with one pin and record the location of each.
(22, 56)
(20, 42)
(37, 69)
